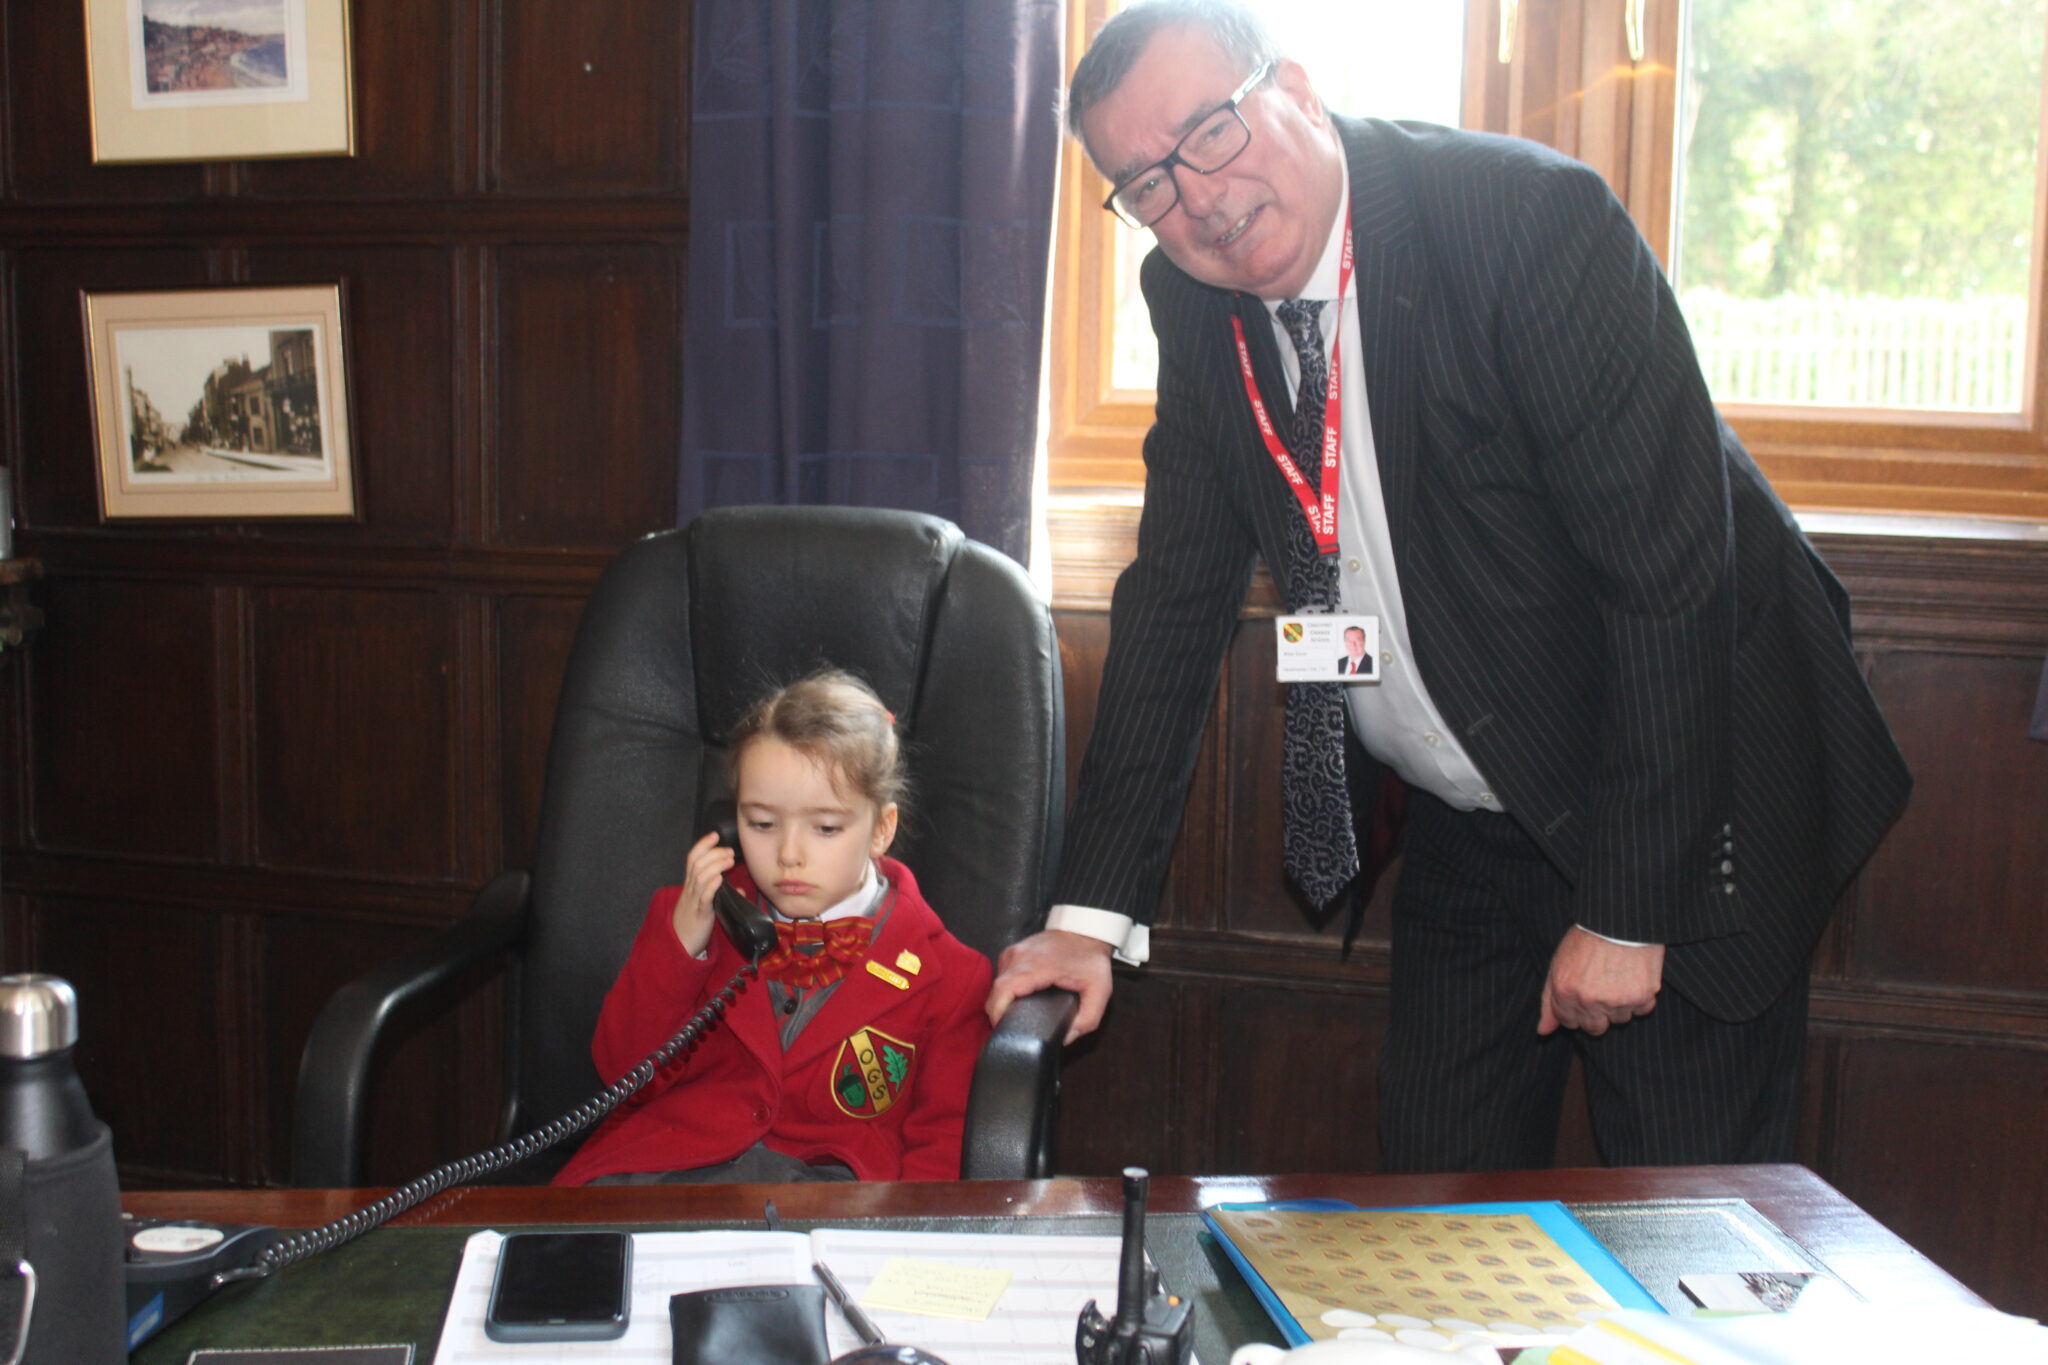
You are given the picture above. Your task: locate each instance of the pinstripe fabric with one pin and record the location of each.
(1611, 608)
(1466, 1083)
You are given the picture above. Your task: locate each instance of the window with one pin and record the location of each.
(1847, 193)
(1855, 201)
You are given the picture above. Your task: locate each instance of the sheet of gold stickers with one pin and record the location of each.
(1453, 1272)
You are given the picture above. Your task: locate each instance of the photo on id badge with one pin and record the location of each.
(1328, 648)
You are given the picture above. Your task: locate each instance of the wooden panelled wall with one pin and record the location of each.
(1248, 1046)
(243, 763)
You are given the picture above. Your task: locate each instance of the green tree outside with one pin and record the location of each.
(1861, 150)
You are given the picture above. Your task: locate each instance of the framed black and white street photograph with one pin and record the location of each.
(220, 403)
(200, 80)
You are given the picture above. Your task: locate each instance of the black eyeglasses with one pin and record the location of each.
(1143, 199)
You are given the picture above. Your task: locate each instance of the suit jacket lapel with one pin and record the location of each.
(758, 1029)
(1392, 277)
(1266, 364)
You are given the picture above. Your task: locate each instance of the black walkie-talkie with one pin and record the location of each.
(1151, 1326)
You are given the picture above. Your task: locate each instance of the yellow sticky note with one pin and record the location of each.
(934, 1290)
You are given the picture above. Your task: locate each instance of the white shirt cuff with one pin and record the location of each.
(1131, 940)
(1619, 942)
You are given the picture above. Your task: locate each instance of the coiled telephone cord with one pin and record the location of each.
(300, 1245)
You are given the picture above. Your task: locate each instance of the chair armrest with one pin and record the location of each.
(1013, 1108)
(330, 1117)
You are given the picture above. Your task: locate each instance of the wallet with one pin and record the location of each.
(763, 1324)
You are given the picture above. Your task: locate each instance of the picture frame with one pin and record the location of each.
(218, 80)
(228, 402)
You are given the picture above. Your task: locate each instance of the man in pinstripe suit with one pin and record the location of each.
(1616, 679)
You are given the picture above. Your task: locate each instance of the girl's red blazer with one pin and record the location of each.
(877, 1081)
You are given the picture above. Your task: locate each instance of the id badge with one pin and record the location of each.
(1328, 648)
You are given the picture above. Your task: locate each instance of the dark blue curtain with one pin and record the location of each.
(871, 187)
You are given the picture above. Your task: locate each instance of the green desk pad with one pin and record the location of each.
(392, 1285)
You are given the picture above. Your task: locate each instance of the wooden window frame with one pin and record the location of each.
(1572, 85)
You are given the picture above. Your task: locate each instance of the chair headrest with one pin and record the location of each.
(849, 587)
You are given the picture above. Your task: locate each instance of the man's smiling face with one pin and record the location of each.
(1260, 223)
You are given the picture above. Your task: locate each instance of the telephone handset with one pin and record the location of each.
(747, 926)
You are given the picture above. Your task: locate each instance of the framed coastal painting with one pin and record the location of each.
(226, 403)
(216, 80)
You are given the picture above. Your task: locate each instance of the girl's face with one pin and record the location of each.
(805, 843)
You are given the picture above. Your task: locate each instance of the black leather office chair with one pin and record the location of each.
(686, 629)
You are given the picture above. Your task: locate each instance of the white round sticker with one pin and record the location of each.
(173, 1238)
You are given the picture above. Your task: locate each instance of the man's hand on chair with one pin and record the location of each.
(1054, 957)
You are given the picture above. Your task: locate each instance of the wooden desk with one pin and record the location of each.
(1824, 1225)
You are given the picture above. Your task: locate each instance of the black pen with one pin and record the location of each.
(862, 1325)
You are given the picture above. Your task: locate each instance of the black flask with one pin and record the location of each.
(60, 1201)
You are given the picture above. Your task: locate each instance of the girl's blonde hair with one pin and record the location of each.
(837, 721)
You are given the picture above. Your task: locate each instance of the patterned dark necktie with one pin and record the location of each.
(1320, 848)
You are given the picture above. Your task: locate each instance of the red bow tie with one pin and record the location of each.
(812, 953)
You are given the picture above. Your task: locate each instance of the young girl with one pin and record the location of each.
(850, 1058)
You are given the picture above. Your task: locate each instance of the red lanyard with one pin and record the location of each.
(1321, 510)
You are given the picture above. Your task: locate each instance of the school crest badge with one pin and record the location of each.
(871, 1072)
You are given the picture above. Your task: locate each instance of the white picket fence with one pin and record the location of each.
(1866, 352)
(1870, 352)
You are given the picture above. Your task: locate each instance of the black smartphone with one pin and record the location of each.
(561, 1286)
